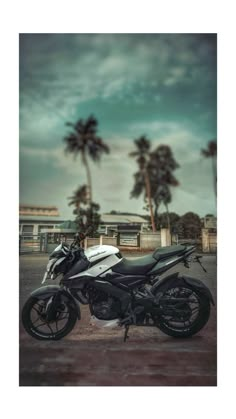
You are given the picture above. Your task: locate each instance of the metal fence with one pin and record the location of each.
(43, 242)
(32, 243)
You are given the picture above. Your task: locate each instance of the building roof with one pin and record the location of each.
(38, 206)
(105, 218)
(44, 218)
(122, 219)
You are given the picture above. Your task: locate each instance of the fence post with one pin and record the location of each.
(205, 240)
(138, 239)
(118, 239)
(165, 237)
(46, 243)
(101, 240)
(41, 242)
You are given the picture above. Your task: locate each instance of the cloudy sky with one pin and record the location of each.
(160, 85)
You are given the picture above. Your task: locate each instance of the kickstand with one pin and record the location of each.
(126, 333)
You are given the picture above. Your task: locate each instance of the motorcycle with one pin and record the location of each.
(120, 292)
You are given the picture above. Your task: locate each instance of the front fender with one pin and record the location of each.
(177, 279)
(49, 290)
(45, 291)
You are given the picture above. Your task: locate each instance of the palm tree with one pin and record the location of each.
(211, 152)
(80, 197)
(142, 181)
(162, 194)
(88, 217)
(83, 140)
(161, 167)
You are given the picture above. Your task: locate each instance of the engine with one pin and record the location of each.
(102, 306)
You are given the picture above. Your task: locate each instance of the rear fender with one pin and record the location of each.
(51, 290)
(177, 279)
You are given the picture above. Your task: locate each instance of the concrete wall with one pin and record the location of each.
(91, 242)
(150, 240)
(147, 240)
(209, 241)
(110, 241)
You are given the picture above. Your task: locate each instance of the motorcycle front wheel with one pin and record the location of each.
(185, 311)
(36, 324)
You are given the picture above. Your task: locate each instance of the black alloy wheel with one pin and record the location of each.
(185, 311)
(36, 324)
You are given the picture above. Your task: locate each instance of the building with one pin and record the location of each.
(34, 218)
(39, 210)
(111, 224)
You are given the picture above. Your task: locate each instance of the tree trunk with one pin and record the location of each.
(148, 192)
(156, 213)
(89, 179)
(168, 217)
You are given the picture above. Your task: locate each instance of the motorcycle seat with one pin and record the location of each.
(137, 266)
(142, 265)
(168, 251)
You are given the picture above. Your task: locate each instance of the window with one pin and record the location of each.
(27, 229)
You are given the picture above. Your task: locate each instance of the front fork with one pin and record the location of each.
(52, 306)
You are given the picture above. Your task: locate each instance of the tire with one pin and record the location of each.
(32, 330)
(201, 317)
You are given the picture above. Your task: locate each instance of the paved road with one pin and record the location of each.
(95, 357)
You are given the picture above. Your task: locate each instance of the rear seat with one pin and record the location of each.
(165, 252)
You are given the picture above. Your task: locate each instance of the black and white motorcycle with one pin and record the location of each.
(119, 291)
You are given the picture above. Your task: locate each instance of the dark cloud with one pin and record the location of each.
(162, 85)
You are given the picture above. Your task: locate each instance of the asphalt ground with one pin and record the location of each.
(89, 356)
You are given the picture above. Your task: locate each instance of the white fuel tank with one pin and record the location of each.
(94, 253)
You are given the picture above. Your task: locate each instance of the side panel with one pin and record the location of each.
(96, 252)
(130, 281)
(100, 268)
(79, 266)
(165, 264)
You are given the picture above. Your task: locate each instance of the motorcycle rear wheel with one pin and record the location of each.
(36, 325)
(183, 319)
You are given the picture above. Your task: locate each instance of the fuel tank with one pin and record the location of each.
(95, 253)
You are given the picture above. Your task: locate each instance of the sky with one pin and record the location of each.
(159, 85)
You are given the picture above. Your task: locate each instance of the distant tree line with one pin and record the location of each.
(187, 226)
